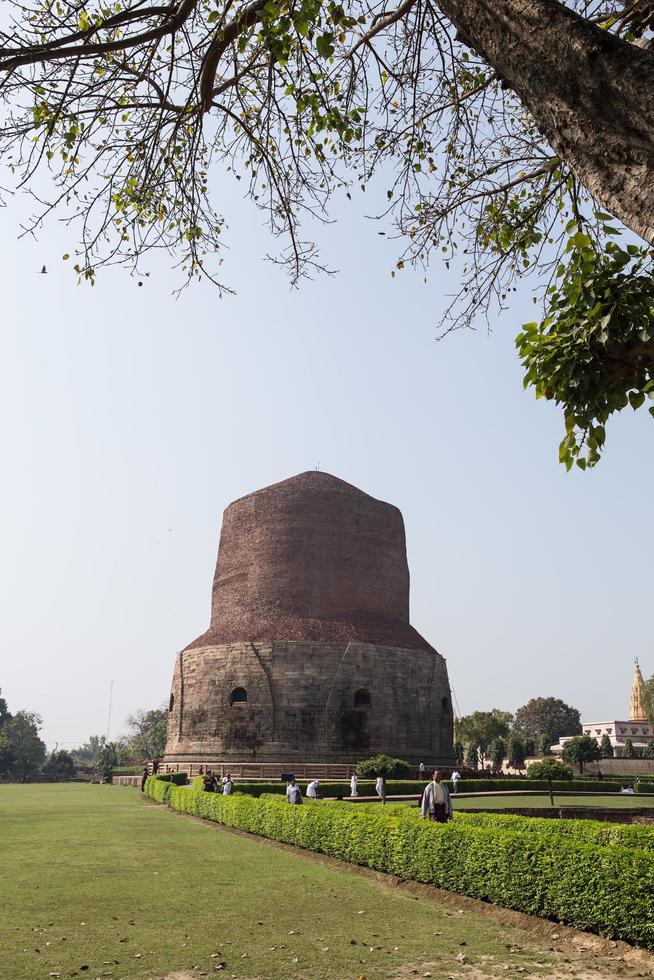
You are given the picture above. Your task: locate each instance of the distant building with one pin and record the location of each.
(638, 728)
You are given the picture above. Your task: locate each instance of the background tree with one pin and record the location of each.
(516, 752)
(108, 761)
(497, 753)
(548, 769)
(472, 757)
(21, 746)
(505, 143)
(606, 749)
(628, 751)
(459, 753)
(147, 733)
(61, 765)
(547, 716)
(4, 711)
(648, 751)
(480, 728)
(89, 752)
(581, 749)
(545, 745)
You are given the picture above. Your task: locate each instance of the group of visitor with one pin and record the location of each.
(435, 803)
(211, 784)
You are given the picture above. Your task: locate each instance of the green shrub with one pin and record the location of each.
(599, 879)
(383, 765)
(549, 769)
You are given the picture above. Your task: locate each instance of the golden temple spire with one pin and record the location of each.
(637, 710)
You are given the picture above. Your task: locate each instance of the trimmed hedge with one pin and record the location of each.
(572, 876)
(414, 787)
(583, 831)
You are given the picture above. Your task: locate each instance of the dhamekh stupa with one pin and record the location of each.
(310, 656)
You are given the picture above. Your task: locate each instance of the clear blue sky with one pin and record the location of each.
(129, 420)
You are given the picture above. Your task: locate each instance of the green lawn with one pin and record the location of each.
(519, 802)
(97, 882)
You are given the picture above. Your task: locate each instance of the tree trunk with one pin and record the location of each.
(591, 94)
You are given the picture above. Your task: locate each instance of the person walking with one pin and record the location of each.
(379, 787)
(228, 785)
(436, 802)
(354, 782)
(456, 776)
(293, 792)
(421, 770)
(312, 790)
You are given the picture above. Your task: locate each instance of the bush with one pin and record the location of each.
(570, 873)
(549, 769)
(383, 765)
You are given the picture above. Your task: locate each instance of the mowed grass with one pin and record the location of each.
(97, 882)
(519, 802)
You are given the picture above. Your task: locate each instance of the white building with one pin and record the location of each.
(638, 728)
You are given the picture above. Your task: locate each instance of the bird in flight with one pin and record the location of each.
(43, 271)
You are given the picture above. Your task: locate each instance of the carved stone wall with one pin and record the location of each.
(309, 702)
(310, 655)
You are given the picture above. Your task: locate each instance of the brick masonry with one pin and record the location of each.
(310, 617)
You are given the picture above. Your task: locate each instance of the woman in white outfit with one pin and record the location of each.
(353, 785)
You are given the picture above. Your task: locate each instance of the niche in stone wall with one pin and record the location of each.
(362, 701)
(238, 697)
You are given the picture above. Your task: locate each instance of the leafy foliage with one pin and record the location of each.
(516, 752)
(547, 716)
(581, 749)
(548, 769)
(497, 753)
(22, 752)
(628, 751)
(116, 113)
(481, 727)
(60, 765)
(147, 736)
(383, 765)
(606, 749)
(593, 352)
(648, 751)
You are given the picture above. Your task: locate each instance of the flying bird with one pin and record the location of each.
(43, 271)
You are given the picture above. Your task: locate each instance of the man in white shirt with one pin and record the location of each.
(228, 785)
(312, 790)
(456, 776)
(293, 792)
(380, 787)
(436, 802)
(353, 785)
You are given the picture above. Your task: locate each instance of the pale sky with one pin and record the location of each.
(129, 420)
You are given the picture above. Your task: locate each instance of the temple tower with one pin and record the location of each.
(310, 655)
(637, 711)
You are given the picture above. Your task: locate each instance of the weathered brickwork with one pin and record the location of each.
(310, 655)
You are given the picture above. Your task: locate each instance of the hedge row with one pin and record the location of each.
(414, 787)
(582, 831)
(604, 886)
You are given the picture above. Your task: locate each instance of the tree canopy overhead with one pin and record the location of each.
(509, 134)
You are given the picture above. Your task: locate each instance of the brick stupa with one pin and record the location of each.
(310, 655)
